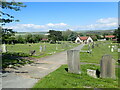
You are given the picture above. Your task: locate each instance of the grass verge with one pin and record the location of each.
(62, 79)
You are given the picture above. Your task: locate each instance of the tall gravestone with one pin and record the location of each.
(107, 67)
(73, 59)
(40, 48)
(56, 47)
(4, 49)
(44, 47)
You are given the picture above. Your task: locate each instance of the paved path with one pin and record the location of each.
(28, 75)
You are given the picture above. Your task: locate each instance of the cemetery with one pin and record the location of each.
(92, 71)
(97, 69)
(59, 47)
(95, 64)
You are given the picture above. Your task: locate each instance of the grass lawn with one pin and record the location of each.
(62, 79)
(15, 52)
(50, 48)
(98, 52)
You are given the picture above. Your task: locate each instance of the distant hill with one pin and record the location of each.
(25, 33)
(96, 31)
(80, 31)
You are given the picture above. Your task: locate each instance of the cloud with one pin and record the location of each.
(107, 20)
(101, 24)
(58, 24)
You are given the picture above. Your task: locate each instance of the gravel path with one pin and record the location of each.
(28, 75)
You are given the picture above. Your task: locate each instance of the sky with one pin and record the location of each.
(76, 16)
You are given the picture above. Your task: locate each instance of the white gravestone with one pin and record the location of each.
(91, 73)
(40, 48)
(4, 48)
(112, 50)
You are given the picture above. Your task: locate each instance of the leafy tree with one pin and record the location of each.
(65, 34)
(20, 39)
(117, 34)
(55, 35)
(7, 18)
(72, 36)
(29, 38)
(7, 35)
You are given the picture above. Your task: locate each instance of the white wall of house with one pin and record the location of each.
(89, 39)
(78, 39)
(83, 41)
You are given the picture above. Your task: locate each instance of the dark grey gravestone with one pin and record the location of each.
(92, 46)
(107, 67)
(32, 52)
(89, 47)
(73, 59)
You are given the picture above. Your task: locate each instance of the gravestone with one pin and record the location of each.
(89, 47)
(73, 59)
(44, 48)
(4, 49)
(92, 73)
(41, 48)
(97, 45)
(118, 55)
(112, 50)
(107, 67)
(32, 52)
(56, 47)
(92, 46)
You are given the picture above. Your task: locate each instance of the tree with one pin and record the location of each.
(55, 35)
(20, 39)
(117, 34)
(29, 38)
(7, 18)
(65, 34)
(72, 36)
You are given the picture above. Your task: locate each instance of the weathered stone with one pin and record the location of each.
(73, 58)
(107, 67)
(41, 48)
(91, 73)
(92, 46)
(44, 48)
(4, 49)
(32, 52)
(112, 50)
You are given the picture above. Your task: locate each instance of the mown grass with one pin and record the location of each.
(15, 52)
(98, 52)
(62, 79)
(50, 48)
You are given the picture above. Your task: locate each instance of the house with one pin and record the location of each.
(44, 39)
(84, 40)
(109, 36)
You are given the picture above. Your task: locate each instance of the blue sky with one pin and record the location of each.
(42, 16)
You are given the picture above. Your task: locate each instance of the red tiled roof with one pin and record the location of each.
(83, 38)
(44, 39)
(109, 36)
